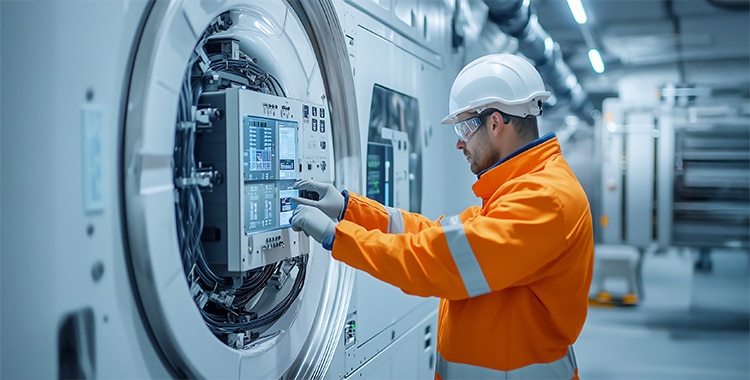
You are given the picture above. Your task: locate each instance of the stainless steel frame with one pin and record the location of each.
(305, 348)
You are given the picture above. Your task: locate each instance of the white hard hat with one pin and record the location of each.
(506, 82)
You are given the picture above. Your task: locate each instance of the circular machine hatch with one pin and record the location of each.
(282, 41)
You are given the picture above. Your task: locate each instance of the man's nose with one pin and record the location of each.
(460, 144)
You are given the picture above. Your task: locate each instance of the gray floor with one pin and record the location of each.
(688, 325)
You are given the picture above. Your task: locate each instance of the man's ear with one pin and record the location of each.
(498, 124)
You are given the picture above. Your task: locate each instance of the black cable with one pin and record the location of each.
(257, 78)
(277, 311)
(221, 318)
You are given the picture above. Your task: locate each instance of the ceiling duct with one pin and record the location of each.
(517, 19)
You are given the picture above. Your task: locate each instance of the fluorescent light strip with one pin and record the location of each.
(576, 8)
(596, 61)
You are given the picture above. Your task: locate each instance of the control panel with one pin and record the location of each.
(262, 145)
(394, 150)
(388, 177)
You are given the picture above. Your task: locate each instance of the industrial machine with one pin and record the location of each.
(675, 174)
(709, 204)
(149, 150)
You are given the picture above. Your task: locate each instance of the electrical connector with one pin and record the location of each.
(282, 274)
(201, 299)
(236, 340)
(222, 298)
(203, 177)
(205, 116)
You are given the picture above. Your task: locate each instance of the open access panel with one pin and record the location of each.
(263, 143)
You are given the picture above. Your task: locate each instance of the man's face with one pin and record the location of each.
(478, 150)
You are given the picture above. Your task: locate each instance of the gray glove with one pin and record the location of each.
(331, 202)
(313, 222)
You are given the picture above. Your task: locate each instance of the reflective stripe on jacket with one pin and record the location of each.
(563, 368)
(513, 275)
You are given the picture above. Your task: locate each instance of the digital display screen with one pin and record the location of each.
(269, 157)
(380, 173)
(287, 149)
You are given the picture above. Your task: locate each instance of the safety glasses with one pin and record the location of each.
(464, 129)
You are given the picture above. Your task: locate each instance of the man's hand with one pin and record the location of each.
(313, 222)
(331, 201)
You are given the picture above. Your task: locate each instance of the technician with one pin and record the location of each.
(513, 275)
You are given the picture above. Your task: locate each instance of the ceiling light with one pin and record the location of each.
(576, 8)
(596, 61)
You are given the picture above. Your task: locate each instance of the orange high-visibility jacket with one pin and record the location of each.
(513, 275)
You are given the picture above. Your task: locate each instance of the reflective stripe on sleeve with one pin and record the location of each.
(563, 368)
(455, 219)
(395, 220)
(463, 257)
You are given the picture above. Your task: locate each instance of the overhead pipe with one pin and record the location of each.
(517, 19)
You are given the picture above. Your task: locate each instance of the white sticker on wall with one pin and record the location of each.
(91, 156)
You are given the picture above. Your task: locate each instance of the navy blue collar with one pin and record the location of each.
(539, 141)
